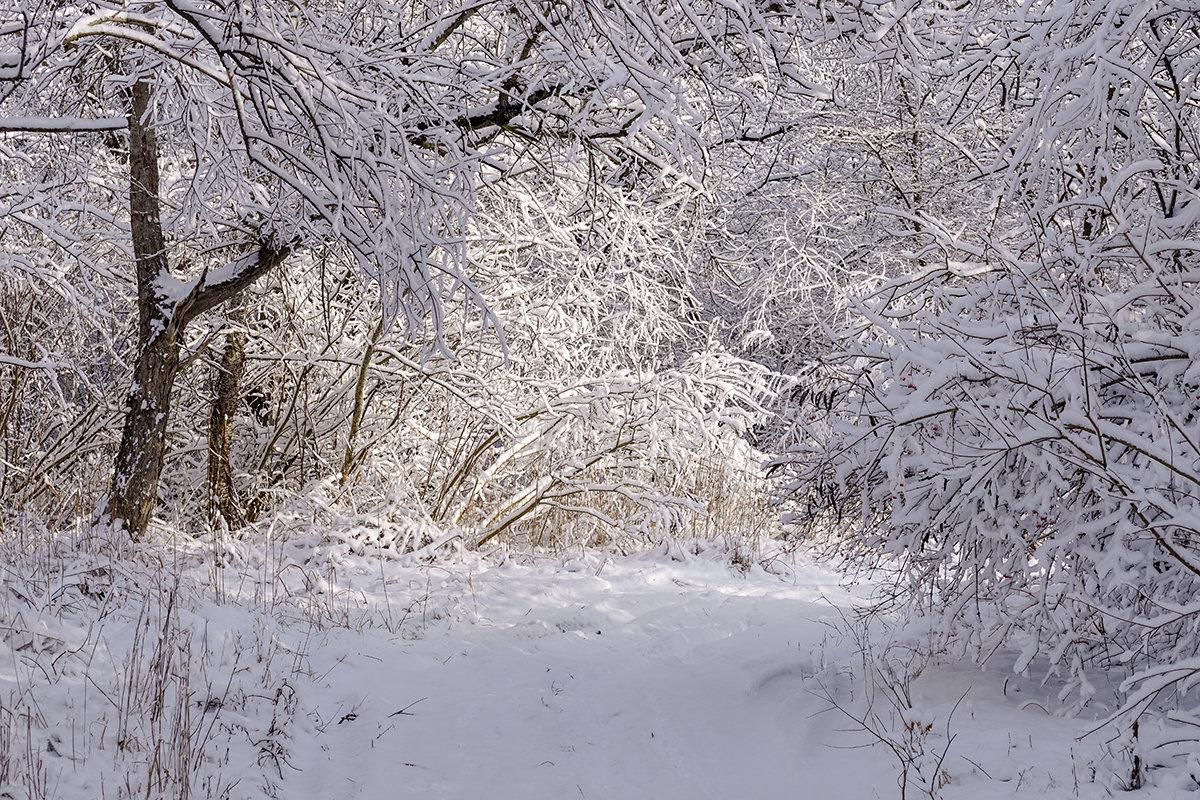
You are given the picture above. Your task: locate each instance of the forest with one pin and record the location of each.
(298, 296)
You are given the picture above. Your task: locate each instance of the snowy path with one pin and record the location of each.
(656, 683)
(641, 677)
(652, 679)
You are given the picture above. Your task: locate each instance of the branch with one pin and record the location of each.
(505, 111)
(215, 287)
(747, 136)
(61, 124)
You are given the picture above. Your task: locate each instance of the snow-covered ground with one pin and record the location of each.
(665, 675)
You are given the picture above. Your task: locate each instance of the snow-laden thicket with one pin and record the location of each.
(590, 422)
(429, 257)
(1012, 426)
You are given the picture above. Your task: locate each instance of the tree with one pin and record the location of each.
(254, 133)
(1014, 429)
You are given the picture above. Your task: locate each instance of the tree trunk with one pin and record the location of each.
(223, 505)
(134, 486)
(162, 318)
(350, 459)
(134, 489)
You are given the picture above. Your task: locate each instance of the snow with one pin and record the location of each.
(668, 675)
(61, 124)
(649, 679)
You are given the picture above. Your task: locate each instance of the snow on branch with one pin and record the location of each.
(61, 124)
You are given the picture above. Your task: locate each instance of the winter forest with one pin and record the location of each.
(599, 398)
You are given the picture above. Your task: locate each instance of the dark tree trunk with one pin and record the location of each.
(139, 462)
(223, 505)
(161, 321)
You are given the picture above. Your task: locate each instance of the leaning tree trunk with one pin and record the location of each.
(162, 319)
(351, 458)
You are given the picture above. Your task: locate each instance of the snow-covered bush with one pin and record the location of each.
(1016, 430)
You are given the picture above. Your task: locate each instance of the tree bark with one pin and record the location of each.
(223, 504)
(134, 489)
(162, 317)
